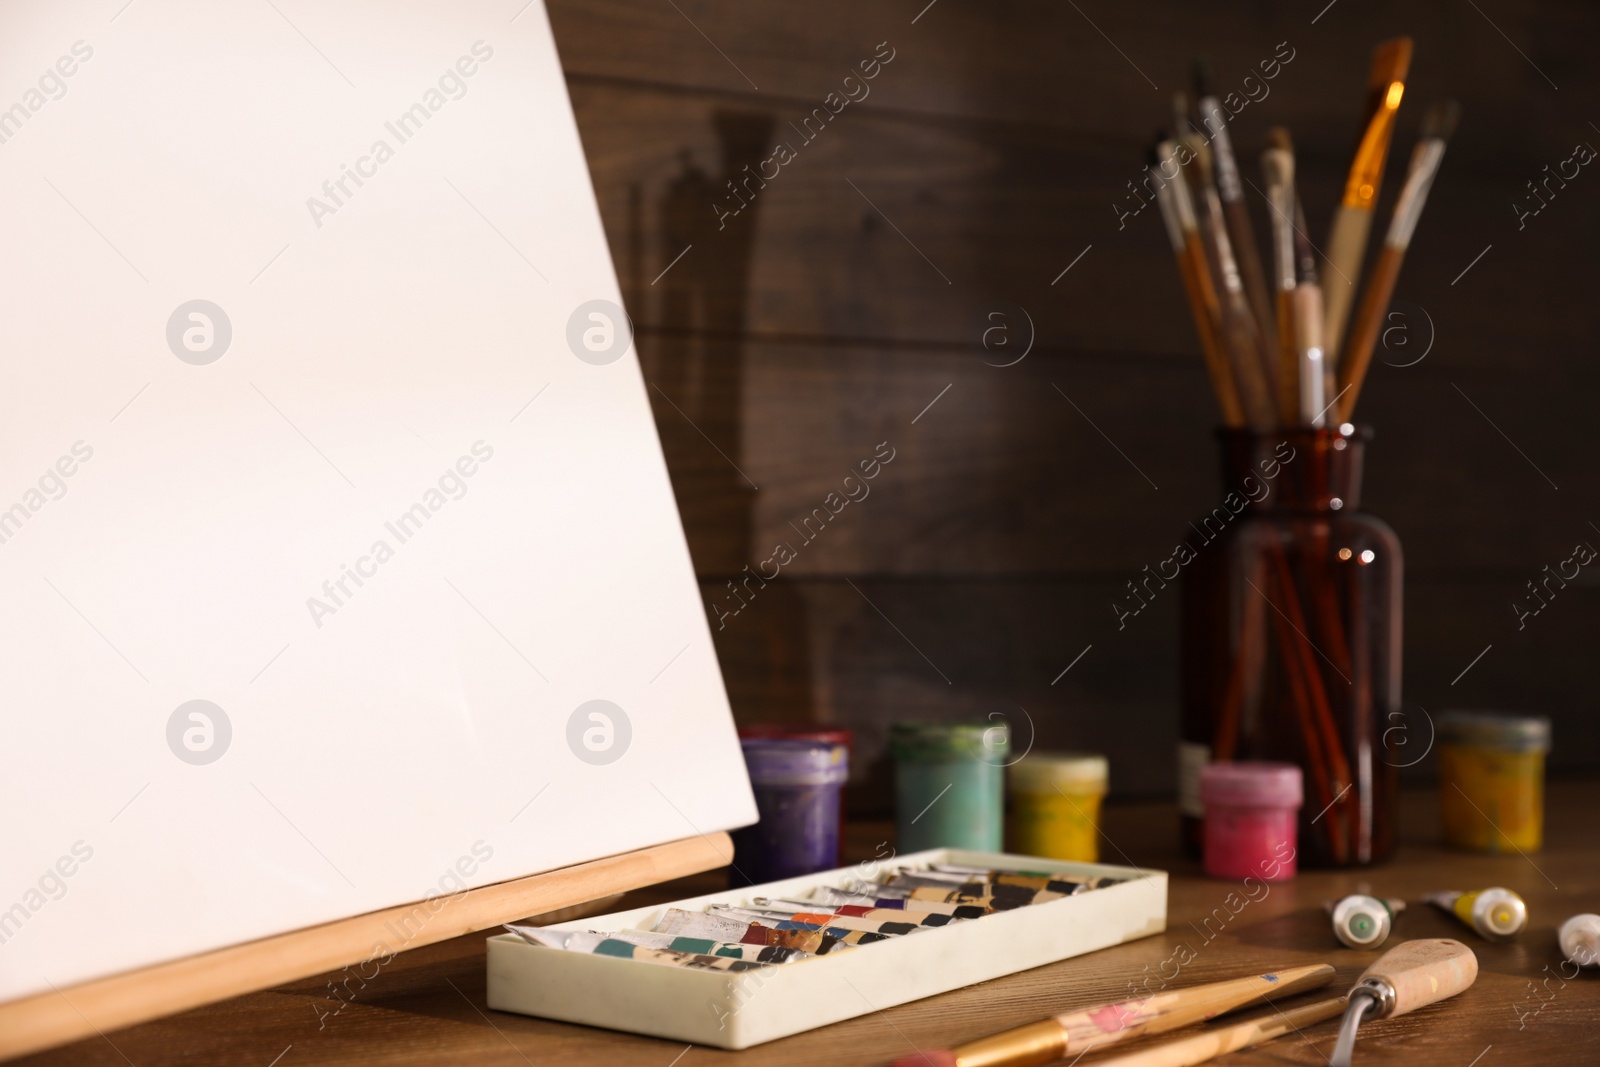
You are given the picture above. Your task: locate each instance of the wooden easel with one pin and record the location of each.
(46, 1020)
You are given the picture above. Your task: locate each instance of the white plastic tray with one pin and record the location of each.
(736, 1010)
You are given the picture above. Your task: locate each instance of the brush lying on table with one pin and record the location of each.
(1075, 1033)
(1411, 975)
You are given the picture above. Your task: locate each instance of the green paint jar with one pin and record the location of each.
(949, 785)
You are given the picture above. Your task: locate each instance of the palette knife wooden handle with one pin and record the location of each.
(1415, 974)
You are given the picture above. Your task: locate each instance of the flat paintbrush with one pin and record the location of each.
(1277, 167)
(1074, 1033)
(1437, 127)
(1177, 212)
(1347, 242)
(1230, 189)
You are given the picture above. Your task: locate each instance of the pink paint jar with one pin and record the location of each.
(1252, 816)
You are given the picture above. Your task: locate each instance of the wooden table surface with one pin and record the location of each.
(427, 1006)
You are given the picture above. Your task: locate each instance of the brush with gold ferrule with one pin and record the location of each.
(1437, 127)
(1347, 242)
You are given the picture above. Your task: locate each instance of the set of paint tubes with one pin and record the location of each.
(1494, 914)
(766, 930)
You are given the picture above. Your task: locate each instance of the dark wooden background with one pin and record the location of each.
(991, 152)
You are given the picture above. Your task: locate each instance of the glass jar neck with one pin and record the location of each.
(1296, 469)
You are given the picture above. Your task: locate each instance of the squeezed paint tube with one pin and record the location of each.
(833, 925)
(664, 957)
(595, 941)
(852, 917)
(727, 928)
(837, 898)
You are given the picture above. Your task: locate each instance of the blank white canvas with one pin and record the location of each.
(419, 727)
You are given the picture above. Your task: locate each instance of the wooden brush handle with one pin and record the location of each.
(1207, 320)
(1182, 1007)
(1074, 1033)
(1423, 972)
(1368, 327)
(1347, 247)
(1207, 1046)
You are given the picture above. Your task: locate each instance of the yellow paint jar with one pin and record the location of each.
(1055, 805)
(1491, 780)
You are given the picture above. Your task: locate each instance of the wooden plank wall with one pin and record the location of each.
(853, 289)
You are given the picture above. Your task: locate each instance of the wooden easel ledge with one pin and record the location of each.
(46, 1020)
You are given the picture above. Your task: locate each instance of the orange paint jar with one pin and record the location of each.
(1491, 780)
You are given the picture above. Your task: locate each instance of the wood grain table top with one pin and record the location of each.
(427, 1006)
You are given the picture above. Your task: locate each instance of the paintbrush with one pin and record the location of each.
(1177, 212)
(1182, 124)
(1437, 127)
(1411, 975)
(1252, 357)
(1277, 167)
(1074, 1033)
(1311, 357)
(1347, 242)
(1230, 188)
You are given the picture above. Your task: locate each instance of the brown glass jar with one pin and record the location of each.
(1291, 602)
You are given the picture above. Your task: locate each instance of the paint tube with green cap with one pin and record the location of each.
(1497, 914)
(1362, 921)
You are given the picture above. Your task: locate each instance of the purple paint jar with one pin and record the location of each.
(1252, 819)
(797, 786)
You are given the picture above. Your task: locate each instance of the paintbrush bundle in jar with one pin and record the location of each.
(1285, 357)
(1292, 603)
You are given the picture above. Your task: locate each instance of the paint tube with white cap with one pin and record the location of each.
(1497, 914)
(1362, 921)
(1580, 940)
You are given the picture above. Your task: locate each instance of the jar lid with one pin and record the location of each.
(1071, 772)
(798, 731)
(986, 741)
(1489, 729)
(1251, 785)
(787, 761)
